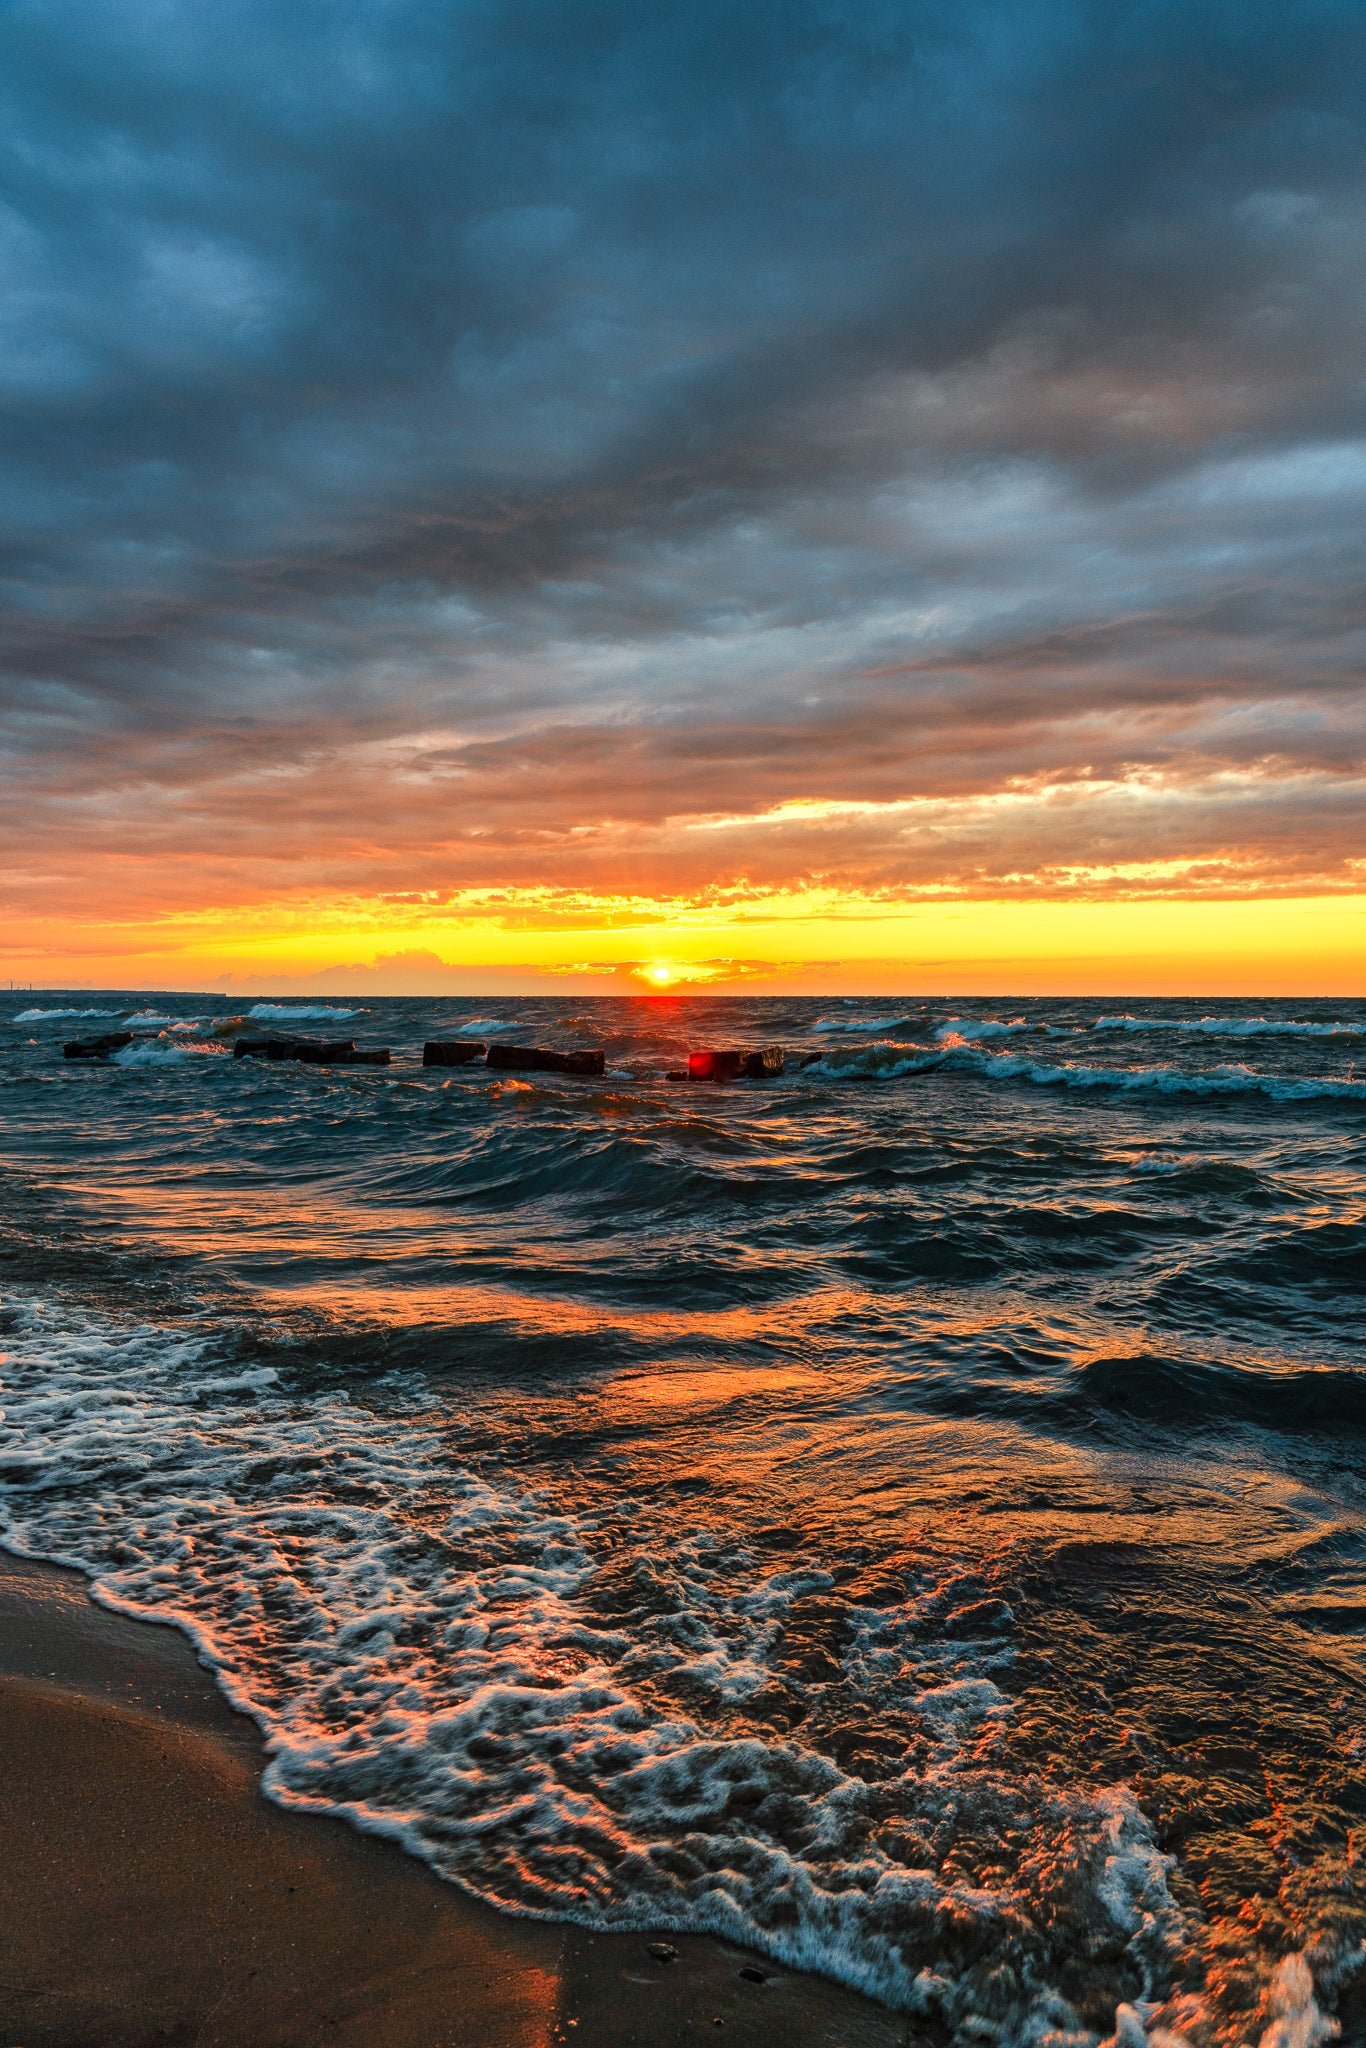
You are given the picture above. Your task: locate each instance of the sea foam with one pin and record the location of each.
(163, 1051)
(1234, 1027)
(46, 1016)
(425, 1652)
(861, 1025)
(892, 1062)
(968, 1030)
(298, 1013)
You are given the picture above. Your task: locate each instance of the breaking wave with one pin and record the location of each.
(447, 1659)
(1235, 1027)
(967, 1030)
(44, 1016)
(162, 1051)
(853, 1025)
(890, 1062)
(879, 1062)
(298, 1013)
(1224, 1080)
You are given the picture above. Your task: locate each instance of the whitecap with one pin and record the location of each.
(860, 1024)
(887, 1062)
(44, 1016)
(297, 1013)
(882, 1061)
(162, 1052)
(1236, 1027)
(967, 1030)
(1166, 1080)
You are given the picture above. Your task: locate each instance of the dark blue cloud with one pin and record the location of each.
(786, 370)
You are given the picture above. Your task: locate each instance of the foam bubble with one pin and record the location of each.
(440, 1657)
(1296, 2018)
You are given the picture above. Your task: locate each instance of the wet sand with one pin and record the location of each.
(150, 1895)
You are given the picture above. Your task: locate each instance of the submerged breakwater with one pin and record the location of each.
(905, 1514)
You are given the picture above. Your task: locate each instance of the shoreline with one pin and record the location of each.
(151, 1894)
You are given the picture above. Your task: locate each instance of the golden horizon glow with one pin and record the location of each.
(818, 940)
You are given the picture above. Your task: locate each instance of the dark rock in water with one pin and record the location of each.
(322, 1052)
(677, 1074)
(313, 1052)
(662, 1951)
(731, 1064)
(341, 1053)
(539, 1059)
(766, 1064)
(96, 1048)
(711, 1065)
(452, 1052)
(812, 1059)
(264, 1048)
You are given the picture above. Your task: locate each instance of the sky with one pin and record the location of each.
(501, 496)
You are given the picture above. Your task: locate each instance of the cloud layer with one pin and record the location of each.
(894, 449)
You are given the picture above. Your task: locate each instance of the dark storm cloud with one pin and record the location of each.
(658, 413)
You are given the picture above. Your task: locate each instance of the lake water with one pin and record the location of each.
(908, 1517)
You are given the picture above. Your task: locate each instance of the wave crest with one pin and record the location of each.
(44, 1016)
(297, 1013)
(1236, 1027)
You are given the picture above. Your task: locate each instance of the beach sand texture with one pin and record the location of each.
(152, 1896)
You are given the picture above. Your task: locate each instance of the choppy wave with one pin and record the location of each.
(882, 1061)
(298, 1013)
(45, 1016)
(890, 1062)
(148, 1019)
(162, 1051)
(861, 1025)
(967, 1030)
(1235, 1027)
(445, 1660)
(890, 1435)
(1224, 1080)
(478, 1027)
(1191, 1393)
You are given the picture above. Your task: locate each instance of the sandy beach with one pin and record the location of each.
(151, 1895)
